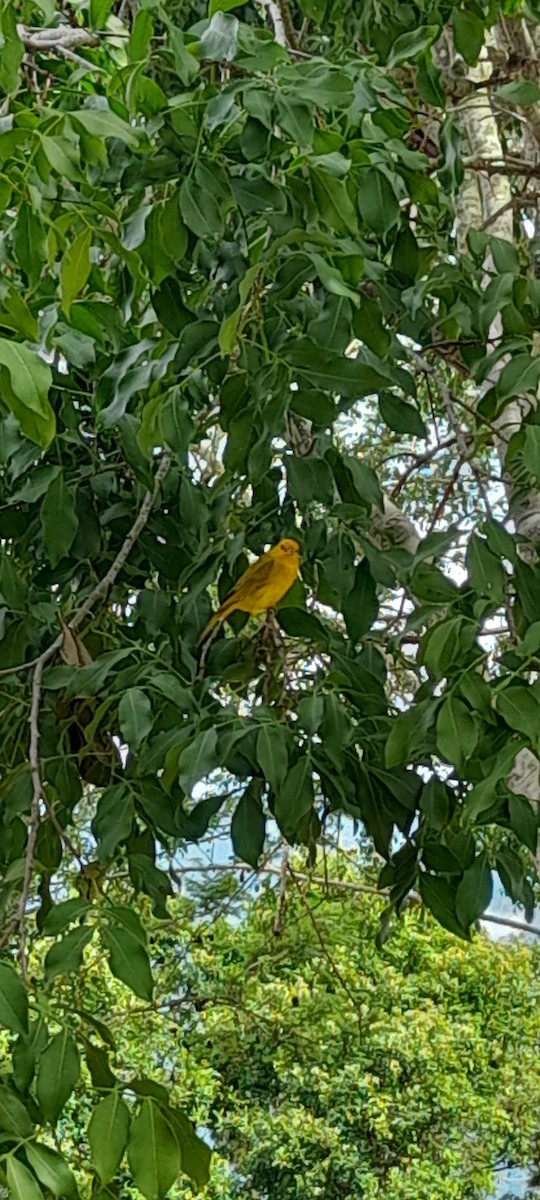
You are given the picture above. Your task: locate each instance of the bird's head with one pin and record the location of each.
(288, 547)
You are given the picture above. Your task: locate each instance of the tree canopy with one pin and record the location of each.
(318, 1065)
(267, 271)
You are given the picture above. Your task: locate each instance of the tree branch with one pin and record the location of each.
(96, 594)
(59, 40)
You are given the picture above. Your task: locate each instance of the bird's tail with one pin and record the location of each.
(217, 618)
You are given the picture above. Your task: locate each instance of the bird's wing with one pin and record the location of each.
(253, 579)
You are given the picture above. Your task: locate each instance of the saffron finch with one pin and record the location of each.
(262, 585)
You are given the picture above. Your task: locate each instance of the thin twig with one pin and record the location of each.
(96, 594)
(346, 885)
(333, 966)
(33, 822)
(104, 584)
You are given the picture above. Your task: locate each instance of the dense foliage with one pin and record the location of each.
(265, 272)
(321, 1066)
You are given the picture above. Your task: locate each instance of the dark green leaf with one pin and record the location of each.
(523, 821)
(456, 732)
(128, 960)
(57, 1074)
(13, 1001)
(401, 417)
(248, 827)
(377, 201)
(360, 605)
(59, 520)
(474, 892)
(295, 797)
(108, 1135)
(153, 1152)
(135, 716)
(21, 1182)
(272, 754)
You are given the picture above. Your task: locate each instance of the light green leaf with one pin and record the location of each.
(29, 380)
(101, 124)
(135, 716)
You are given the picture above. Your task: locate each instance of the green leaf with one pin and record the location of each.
(176, 424)
(519, 91)
(272, 754)
(310, 479)
(531, 450)
(135, 716)
(499, 540)
(21, 1182)
(201, 207)
(440, 897)
(59, 520)
(108, 1135)
(153, 1152)
(360, 606)
(295, 797)
(334, 372)
(62, 915)
(113, 821)
(523, 821)
(401, 417)
(468, 34)
(14, 1117)
(198, 758)
(219, 41)
(51, 1169)
(408, 46)
(12, 50)
(456, 732)
(446, 643)
(57, 1074)
(474, 892)
(75, 269)
(223, 6)
(100, 123)
(67, 954)
(195, 1154)
(248, 828)
(128, 960)
(257, 194)
(520, 709)
(377, 201)
(486, 573)
(26, 394)
(13, 1001)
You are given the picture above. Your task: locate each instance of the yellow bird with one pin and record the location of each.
(262, 585)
